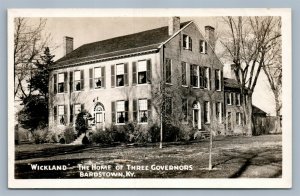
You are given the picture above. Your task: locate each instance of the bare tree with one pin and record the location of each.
(272, 67)
(247, 44)
(29, 43)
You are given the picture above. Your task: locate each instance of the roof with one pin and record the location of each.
(231, 83)
(256, 110)
(137, 42)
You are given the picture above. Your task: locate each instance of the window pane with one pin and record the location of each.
(143, 104)
(61, 88)
(142, 77)
(120, 80)
(61, 110)
(143, 116)
(77, 85)
(120, 69)
(142, 66)
(120, 106)
(98, 83)
(120, 117)
(61, 78)
(77, 75)
(97, 72)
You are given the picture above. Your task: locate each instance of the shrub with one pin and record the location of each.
(81, 123)
(69, 135)
(101, 137)
(40, 135)
(154, 133)
(85, 140)
(51, 137)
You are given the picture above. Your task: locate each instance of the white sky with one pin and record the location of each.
(86, 30)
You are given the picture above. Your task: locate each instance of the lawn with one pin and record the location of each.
(233, 157)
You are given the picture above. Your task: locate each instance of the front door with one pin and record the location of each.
(99, 117)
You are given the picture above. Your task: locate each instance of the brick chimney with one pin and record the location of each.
(174, 25)
(210, 35)
(68, 45)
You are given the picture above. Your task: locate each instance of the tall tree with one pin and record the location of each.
(247, 43)
(35, 110)
(29, 42)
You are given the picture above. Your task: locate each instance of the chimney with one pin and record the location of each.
(68, 45)
(174, 25)
(210, 35)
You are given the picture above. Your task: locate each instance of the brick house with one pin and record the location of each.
(120, 79)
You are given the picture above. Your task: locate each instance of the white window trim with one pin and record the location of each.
(220, 82)
(60, 82)
(58, 119)
(137, 74)
(238, 95)
(230, 98)
(208, 78)
(199, 125)
(95, 88)
(219, 105)
(116, 116)
(138, 112)
(116, 86)
(186, 75)
(198, 74)
(203, 46)
(74, 85)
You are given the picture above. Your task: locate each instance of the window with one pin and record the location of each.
(206, 112)
(218, 79)
(143, 111)
(238, 99)
(122, 112)
(120, 74)
(61, 115)
(184, 73)
(206, 79)
(203, 47)
(61, 83)
(194, 75)
(185, 110)
(187, 42)
(142, 72)
(238, 118)
(77, 80)
(197, 115)
(229, 98)
(98, 79)
(168, 71)
(219, 112)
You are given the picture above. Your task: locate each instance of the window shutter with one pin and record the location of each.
(82, 107)
(149, 109)
(190, 43)
(91, 78)
(216, 79)
(126, 74)
(209, 79)
(222, 81)
(149, 70)
(126, 110)
(71, 113)
(134, 75)
(103, 76)
(191, 74)
(55, 113)
(134, 106)
(65, 113)
(113, 76)
(222, 112)
(66, 82)
(71, 81)
(82, 79)
(201, 77)
(55, 83)
(205, 47)
(113, 112)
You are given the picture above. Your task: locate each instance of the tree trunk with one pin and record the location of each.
(210, 150)
(161, 130)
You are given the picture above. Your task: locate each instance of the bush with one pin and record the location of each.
(40, 136)
(101, 137)
(85, 140)
(51, 137)
(69, 135)
(154, 133)
(81, 123)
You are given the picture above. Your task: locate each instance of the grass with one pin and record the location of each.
(233, 157)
